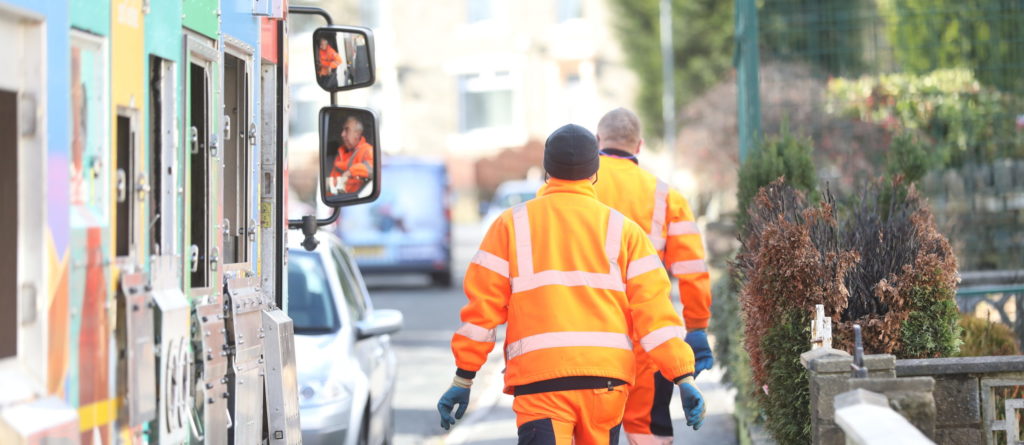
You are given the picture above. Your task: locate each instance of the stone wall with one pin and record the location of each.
(953, 401)
(980, 208)
(970, 393)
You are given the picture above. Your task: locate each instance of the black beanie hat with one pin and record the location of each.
(571, 153)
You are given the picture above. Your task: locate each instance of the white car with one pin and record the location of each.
(346, 368)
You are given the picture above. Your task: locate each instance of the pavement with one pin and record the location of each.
(426, 368)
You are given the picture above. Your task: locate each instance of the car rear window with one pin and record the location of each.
(310, 302)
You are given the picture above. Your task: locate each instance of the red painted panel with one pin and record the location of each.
(268, 39)
(94, 337)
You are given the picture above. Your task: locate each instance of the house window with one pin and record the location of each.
(485, 101)
(569, 9)
(479, 10)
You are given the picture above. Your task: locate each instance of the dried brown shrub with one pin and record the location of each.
(791, 261)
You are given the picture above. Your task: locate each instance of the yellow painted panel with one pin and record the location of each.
(97, 414)
(127, 90)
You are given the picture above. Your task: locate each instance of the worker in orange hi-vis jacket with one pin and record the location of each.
(576, 281)
(666, 218)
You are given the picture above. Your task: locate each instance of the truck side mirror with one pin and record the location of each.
(349, 156)
(343, 57)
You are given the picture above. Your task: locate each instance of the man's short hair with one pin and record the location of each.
(619, 126)
(357, 120)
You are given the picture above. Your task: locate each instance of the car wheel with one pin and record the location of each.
(442, 279)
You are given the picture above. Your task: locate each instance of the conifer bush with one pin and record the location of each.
(881, 264)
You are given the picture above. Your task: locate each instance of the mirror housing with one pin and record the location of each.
(379, 322)
(343, 57)
(349, 156)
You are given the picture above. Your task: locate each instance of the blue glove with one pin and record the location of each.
(698, 340)
(693, 403)
(454, 395)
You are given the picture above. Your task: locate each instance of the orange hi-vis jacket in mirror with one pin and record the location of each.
(358, 163)
(668, 221)
(575, 280)
(329, 60)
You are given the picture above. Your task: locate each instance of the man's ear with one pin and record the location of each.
(598, 141)
(639, 145)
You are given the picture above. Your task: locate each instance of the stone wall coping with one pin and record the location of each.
(959, 365)
(900, 384)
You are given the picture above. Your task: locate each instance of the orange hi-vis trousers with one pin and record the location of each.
(579, 417)
(647, 420)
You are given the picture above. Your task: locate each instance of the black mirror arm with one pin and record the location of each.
(313, 10)
(309, 225)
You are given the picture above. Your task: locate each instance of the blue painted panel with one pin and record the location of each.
(238, 21)
(58, 106)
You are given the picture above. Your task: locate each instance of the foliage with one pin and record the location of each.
(788, 399)
(948, 110)
(702, 37)
(824, 33)
(909, 269)
(908, 158)
(883, 266)
(982, 337)
(785, 155)
(729, 353)
(980, 35)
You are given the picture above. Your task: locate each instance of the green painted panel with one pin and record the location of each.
(91, 15)
(202, 16)
(163, 29)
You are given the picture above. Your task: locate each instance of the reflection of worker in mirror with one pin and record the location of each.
(353, 166)
(328, 61)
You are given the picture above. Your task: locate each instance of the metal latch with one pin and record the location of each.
(214, 257)
(141, 187)
(122, 185)
(194, 250)
(227, 127)
(252, 230)
(194, 136)
(252, 133)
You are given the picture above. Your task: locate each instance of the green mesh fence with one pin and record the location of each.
(932, 90)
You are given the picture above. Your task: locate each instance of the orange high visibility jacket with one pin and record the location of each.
(666, 218)
(329, 60)
(358, 162)
(575, 280)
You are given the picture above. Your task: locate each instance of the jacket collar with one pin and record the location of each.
(581, 187)
(621, 154)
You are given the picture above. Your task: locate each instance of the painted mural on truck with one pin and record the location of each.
(139, 223)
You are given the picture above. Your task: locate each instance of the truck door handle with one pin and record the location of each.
(122, 185)
(194, 136)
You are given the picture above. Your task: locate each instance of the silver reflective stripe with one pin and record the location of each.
(658, 217)
(524, 248)
(658, 242)
(661, 335)
(567, 339)
(643, 265)
(683, 228)
(491, 262)
(648, 439)
(527, 279)
(568, 278)
(613, 242)
(690, 266)
(477, 333)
